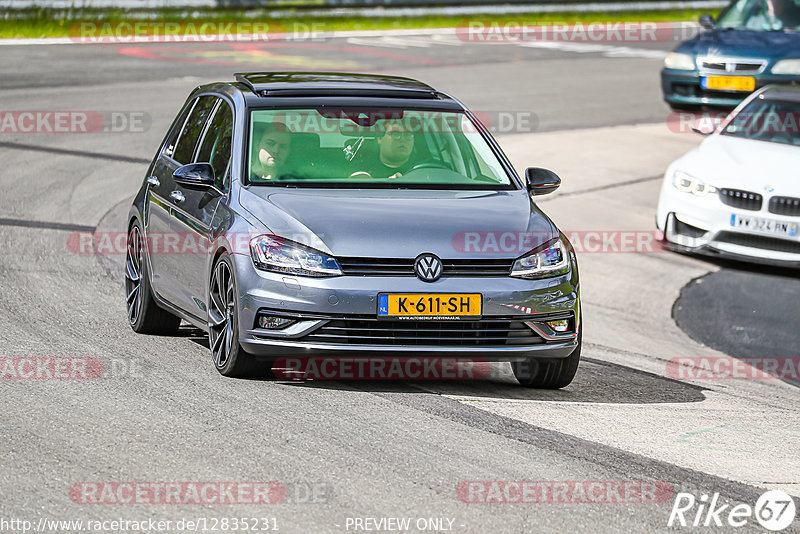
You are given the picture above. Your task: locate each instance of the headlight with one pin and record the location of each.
(276, 254)
(676, 60)
(550, 259)
(689, 184)
(787, 66)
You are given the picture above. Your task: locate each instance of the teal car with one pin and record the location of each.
(752, 43)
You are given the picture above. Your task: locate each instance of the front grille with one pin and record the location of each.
(405, 267)
(733, 66)
(737, 198)
(784, 206)
(758, 241)
(371, 331)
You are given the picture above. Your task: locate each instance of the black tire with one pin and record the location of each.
(144, 315)
(546, 373)
(229, 357)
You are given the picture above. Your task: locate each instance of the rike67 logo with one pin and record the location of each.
(774, 510)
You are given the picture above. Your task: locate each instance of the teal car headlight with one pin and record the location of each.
(679, 61)
(550, 259)
(276, 254)
(787, 66)
(689, 184)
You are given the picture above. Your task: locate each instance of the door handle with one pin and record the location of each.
(153, 181)
(177, 196)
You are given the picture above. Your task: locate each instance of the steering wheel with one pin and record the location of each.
(429, 164)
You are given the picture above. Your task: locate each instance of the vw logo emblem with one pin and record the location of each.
(769, 189)
(428, 267)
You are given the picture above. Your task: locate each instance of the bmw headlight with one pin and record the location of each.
(276, 254)
(689, 184)
(787, 66)
(550, 259)
(677, 60)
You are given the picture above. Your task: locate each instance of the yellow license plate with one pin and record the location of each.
(429, 305)
(729, 83)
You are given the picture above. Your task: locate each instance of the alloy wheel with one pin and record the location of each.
(133, 275)
(221, 314)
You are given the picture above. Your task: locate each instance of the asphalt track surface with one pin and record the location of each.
(372, 448)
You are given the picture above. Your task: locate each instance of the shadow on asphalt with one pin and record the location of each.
(744, 310)
(597, 381)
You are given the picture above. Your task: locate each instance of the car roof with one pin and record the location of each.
(304, 89)
(783, 92)
(313, 83)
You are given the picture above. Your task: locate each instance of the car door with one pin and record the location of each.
(193, 216)
(158, 210)
(165, 244)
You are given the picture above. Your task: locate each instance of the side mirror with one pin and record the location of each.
(541, 181)
(195, 175)
(702, 130)
(706, 126)
(706, 21)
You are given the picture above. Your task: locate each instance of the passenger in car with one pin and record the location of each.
(394, 154)
(273, 152)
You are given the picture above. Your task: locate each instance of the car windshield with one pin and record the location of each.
(371, 148)
(775, 121)
(762, 15)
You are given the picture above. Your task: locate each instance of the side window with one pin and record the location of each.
(176, 128)
(216, 146)
(191, 130)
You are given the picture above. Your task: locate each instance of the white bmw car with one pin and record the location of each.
(738, 193)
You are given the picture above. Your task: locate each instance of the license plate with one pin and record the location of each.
(728, 83)
(765, 226)
(451, 306)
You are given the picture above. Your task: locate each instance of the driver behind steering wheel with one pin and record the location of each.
(395, 147)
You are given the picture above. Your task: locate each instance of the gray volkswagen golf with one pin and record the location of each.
(350, 216)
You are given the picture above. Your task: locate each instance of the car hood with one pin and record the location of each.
(732, 162)
(400, 223)
(744, 44)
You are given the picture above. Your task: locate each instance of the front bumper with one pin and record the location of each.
(324, 301)
(703, 226)
(682, 87)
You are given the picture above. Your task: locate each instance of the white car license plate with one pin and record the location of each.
(764, 226)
